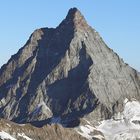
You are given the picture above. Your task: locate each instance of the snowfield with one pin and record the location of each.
(123, 126)
(127, 126)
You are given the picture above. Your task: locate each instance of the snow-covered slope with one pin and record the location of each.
(89, 132)
(125, 125)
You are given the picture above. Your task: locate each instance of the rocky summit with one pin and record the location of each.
(68, 76)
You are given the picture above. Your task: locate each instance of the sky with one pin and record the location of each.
(117, 21)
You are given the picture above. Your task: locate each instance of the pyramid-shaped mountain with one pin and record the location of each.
(65, 73)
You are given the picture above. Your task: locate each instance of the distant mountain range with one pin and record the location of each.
(68, 76)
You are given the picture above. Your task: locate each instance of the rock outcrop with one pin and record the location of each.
(13, 131)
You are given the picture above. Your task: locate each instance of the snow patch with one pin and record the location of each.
(132, 111)
(99, 137)
(24, 136)
(21, 124)
(4, 135)
(87, 131)
(8, 125)
(125, 101)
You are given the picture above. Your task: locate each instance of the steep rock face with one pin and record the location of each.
(65, 73)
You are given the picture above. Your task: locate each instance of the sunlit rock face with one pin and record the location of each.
(13, 131)
(63, 74)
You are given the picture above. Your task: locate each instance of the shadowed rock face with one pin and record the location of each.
(62, 74)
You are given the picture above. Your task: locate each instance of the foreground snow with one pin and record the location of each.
(4, 135)
(127, 125)
(24, 136)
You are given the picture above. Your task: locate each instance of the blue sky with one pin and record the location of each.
(117, 21)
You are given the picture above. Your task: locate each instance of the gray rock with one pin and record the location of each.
(67, 73)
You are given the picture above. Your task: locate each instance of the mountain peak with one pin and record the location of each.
(74, 11)
(75, 18)
(64, 74)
